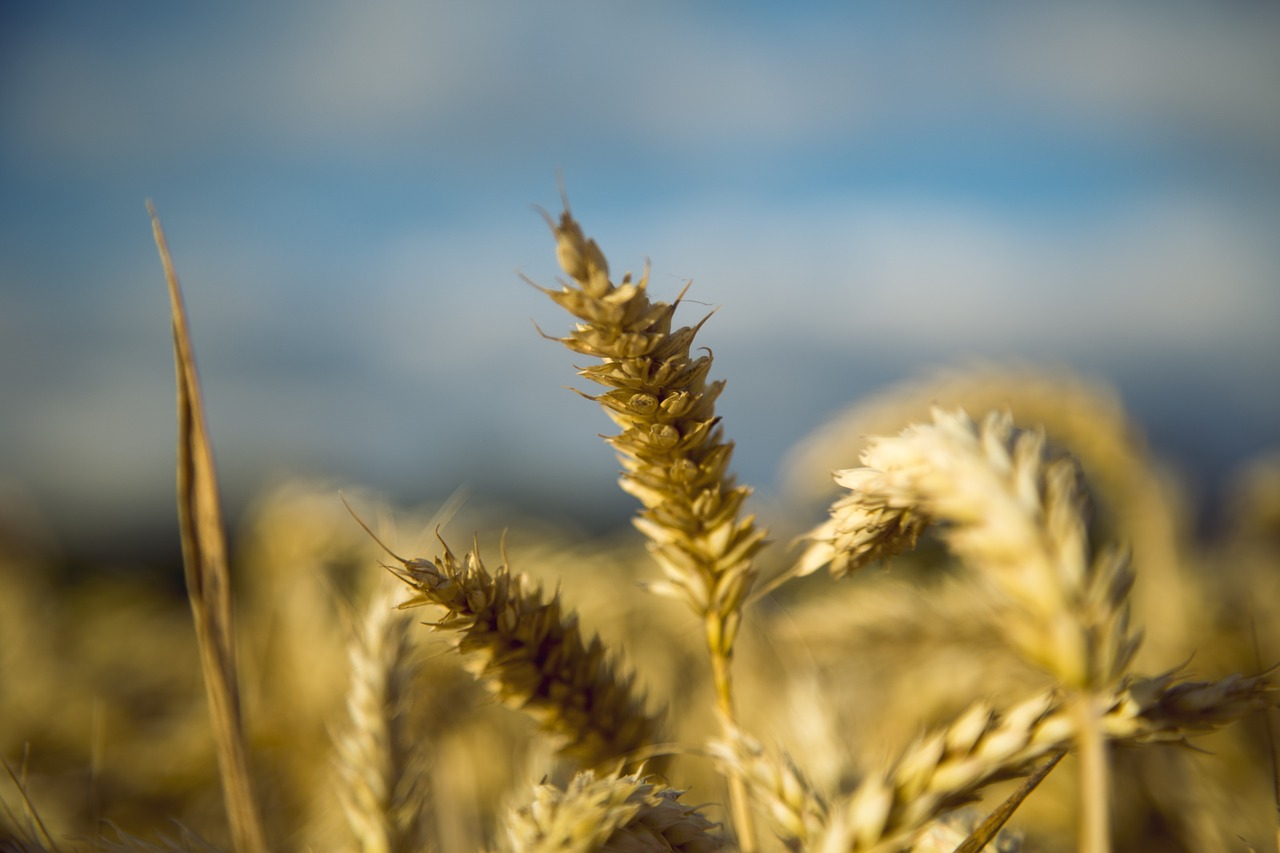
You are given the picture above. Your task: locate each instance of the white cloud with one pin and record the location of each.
(1167, 273)
(315, 75)
(1212, 67)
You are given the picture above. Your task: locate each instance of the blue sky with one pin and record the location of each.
(864, 190)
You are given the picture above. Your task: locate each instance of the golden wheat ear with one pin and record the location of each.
(532, 656)
(674, 455)
(204, 558)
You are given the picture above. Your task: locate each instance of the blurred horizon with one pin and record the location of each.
(860, 192)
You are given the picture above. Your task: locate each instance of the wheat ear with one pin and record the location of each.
(673, 452)
(532, 656)
(610, 812)
(1016, 516)
(1013, 514)
(1075, 412)
(949, 768)
(381, 782)
(796, 812)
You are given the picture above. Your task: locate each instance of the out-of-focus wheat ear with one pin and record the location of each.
(949, 768)
(532, 655)
(381, 779)
(1014, 513)
(943, 771)
(204, 557)
(863, 528)
(1163, 709)
(1138, 504)
(610, 812)
(776, 785)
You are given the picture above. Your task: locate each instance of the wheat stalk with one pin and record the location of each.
(672, 449)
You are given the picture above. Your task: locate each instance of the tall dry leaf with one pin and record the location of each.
(204, 557)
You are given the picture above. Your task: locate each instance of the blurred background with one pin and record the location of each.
(863, 191)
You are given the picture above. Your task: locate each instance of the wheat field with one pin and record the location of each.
(1001, 634)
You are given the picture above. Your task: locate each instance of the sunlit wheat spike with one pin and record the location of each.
(1015, 514)
(1137, 502)
(533, 657)
(675, 458)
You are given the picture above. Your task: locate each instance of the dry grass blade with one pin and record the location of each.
(204, 556)
(186, 842)
(33, 817)
(1269, 728)
(991, 825)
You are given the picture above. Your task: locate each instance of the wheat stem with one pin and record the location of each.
(722, 675)
(1095, 778)
(675, 459)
